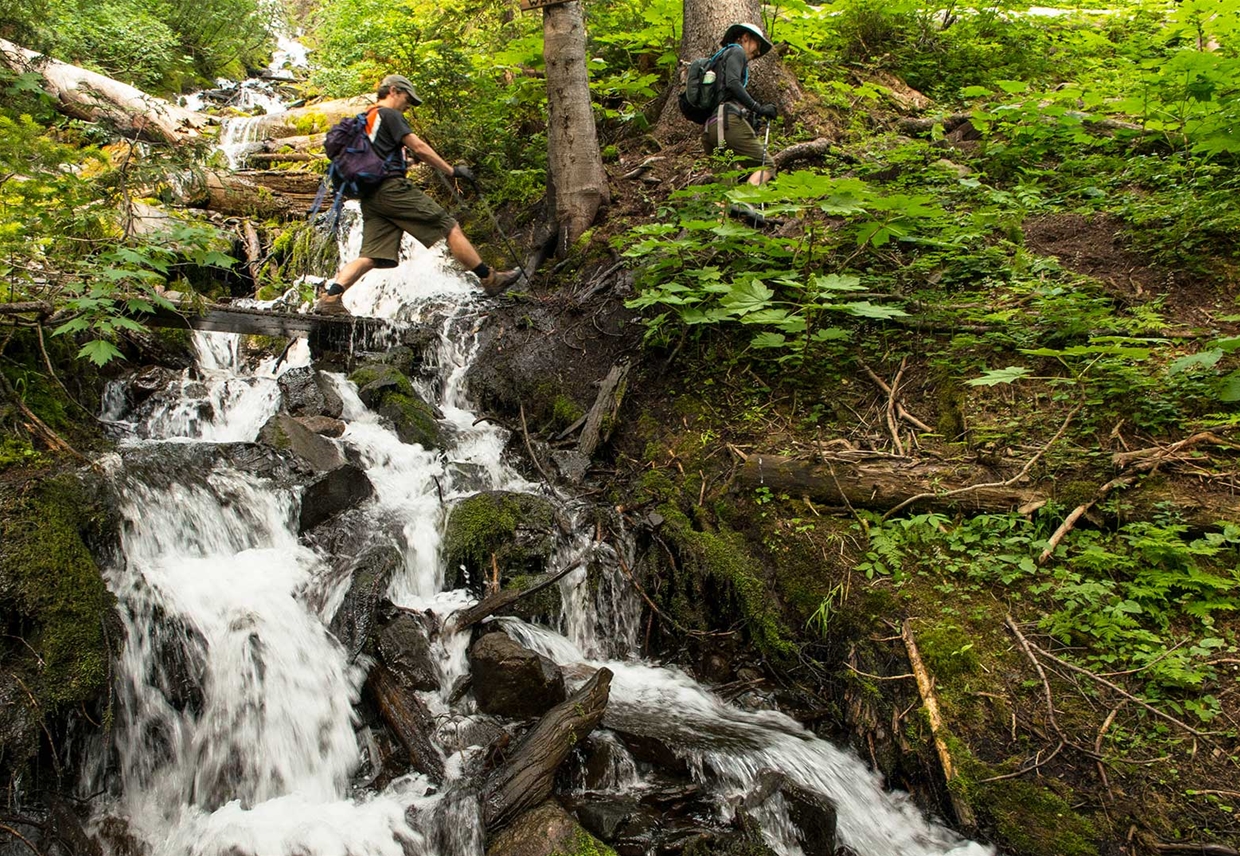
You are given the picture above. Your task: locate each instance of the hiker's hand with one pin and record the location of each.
(464, 173)
(767, 111)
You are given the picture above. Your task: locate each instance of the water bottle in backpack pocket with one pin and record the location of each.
(703, 90)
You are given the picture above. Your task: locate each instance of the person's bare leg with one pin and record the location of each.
(462, 250)
(353, 271)
(761, 177)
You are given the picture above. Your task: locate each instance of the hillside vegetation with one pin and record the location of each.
(1008, 251)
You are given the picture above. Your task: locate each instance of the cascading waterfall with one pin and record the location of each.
(236, 729)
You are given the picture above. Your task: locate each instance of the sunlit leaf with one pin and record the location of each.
(993, 377)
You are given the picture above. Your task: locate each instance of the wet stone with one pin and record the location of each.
(147, 382)
(369, 576)
(285, 433)
(337, 491)
(542, 831)
(405, 648)
(324, 426)
(300, 392)
(513, 681)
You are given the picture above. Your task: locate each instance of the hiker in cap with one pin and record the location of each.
(730, 125)
(398, 206)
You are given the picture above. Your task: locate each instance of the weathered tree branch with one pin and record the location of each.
(526, 777)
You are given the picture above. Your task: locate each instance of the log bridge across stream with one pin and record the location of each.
(324, 332)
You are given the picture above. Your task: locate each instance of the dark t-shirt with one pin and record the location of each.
(386, 128)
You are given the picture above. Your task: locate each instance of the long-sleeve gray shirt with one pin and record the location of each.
(734, 67)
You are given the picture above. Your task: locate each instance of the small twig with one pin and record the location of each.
(11, 831)
(1005, 483)
(855, 670)
(529, 447)
(1187, 849)
(892, 426)
(1102, 772)
(1077, 513)
(1037, 762)
(1046, 685)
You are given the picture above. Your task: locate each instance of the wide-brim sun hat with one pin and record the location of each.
(734, 32)
(401, 83)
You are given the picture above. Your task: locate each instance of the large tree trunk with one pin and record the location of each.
(87, 95)
(574, 160)
(704, 24)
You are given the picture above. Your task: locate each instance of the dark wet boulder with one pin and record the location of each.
(514, 528)
(334, 492)
(287, 434)
(545, 830)
(148, 381)
(511, 680)
(391, 394)
(812, 814)
(301, 392)
(369, 575)
(405, 648)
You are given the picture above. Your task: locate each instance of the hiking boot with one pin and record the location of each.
(498, 281)
(331, 304)
(749, 214)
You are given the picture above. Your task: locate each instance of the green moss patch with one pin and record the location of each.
(515, 528)
(1033, 820)
(54, 597)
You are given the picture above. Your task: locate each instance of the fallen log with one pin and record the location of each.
(813, 150)
(300, 143)
(324, 114)
(602, 416)
(409, 720)
(883, 482)
(525, 779)
(925, 688)
(87, 95)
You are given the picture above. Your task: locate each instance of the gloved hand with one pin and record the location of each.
(767, 111)
(464, 173)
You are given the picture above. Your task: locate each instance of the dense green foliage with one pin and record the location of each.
(156, 45)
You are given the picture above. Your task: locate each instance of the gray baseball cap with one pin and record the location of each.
(401, 83)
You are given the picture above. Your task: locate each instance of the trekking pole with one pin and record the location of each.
(456, 194)
(766, 142)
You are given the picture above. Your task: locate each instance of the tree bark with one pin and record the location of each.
(705, 22)
(573, 156)
(90, 96)
(602, 417)
(409, 720)
(526, 777)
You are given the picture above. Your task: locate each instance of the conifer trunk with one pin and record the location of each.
(578, 184)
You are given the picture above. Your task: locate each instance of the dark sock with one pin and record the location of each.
(333, 289)
(481, 271)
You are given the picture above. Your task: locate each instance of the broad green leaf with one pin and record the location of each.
(100, 352)
(830, 334)
(1205, 359)
(835, 282)
(746, 297)
(1229, 390)
(1229, 344)
(866, 309)
(768, 339)
(1089, 350)
(975, 92)
(993, 377)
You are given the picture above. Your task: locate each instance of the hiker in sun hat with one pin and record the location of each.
(398, 206)
(731, 125)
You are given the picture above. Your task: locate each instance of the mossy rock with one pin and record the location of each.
(389, 392)
(57, 613)
(546, 830)
(545, 606)
(1032, 820)
(515, 528)
(724, 580)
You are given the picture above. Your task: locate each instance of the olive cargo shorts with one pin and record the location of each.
(396, 207)
(739, 136)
